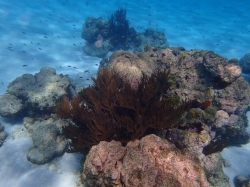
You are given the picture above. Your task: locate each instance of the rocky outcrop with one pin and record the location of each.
(48, 141)
(101, 37)
(151, 161)
(30, 95)
(213, 81)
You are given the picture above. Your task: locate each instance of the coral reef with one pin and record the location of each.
(222, 98)
(195, 75)
(115, 34)
(33, 95)
(48, 140)
(112, 110)
(151, 161)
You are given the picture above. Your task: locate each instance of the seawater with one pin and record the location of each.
(47, 33)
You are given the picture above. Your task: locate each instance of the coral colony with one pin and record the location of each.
(115, 34)
(118, 27)
(112, 110)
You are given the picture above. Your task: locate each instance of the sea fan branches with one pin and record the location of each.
(111, 109)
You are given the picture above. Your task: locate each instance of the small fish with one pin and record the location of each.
(24, 44)
(69, 66)
(73, 36)
(86, 71)
(39, 48)
(2, 83)
(96, 64)
(25, 65)
(45, 36)
(24, 32)
(80, 77)
(10, 44)
(87, 79)
(58, 36)
(74, 44)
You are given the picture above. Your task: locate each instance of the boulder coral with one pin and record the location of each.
(151, 161)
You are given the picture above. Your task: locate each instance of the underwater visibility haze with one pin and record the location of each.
(124, 93)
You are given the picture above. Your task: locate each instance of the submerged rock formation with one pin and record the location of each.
(115, 34)
(151, 161)
(48, 140)
(32, 95)
(208, 78)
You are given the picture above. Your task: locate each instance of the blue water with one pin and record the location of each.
(42, 33)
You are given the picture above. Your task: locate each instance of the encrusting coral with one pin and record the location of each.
(112, 110)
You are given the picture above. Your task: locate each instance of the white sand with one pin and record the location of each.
(46, 33)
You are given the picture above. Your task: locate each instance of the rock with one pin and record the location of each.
(99, 38)
(151, 161)
(242, 181)
(31, 95)
(234, 98)
(10, 106)
(212, 164)
(130, 67)
(194, 142)
(150, 37)
(3, 135)
(221, 119)
(48, 141)
(244, 63)
(92, 27)
(213, 81)
(219, 67)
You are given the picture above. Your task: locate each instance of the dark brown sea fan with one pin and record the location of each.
(112, 110)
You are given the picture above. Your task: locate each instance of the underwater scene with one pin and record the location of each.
(124, 93)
